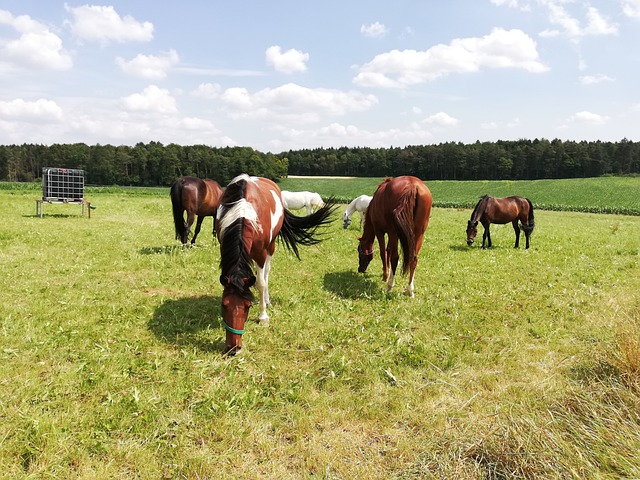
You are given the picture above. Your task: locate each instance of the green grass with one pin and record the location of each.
(507, 364)
(619, 195)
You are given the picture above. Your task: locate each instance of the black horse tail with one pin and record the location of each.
(178, 210)
(530, 221)
(297, 230)
(403, 219)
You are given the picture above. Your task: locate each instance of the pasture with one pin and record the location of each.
(506, 364)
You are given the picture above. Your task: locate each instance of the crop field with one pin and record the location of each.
(508, 363)
(595, 195)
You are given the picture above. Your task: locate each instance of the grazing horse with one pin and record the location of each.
(250, 218)
(298, 200)
(501, 210)
(400, 208)
(358, 204)
(196, 197)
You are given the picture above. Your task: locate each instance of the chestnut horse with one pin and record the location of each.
(196, 197)
(400, 208)
(250, 218)
(501, 210)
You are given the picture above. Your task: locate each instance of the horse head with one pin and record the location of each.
(346, 221)
(236, 302)
(472, 231)
(365, 255)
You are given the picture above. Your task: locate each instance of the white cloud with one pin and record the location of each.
(291, 61)
(595, 23)
(500, 49)
(36, 47)
(295, 102)
(631, 8)
(339, 135)
(149, 66)
(512, 4)
(41, 109)
(598, 24)
(595, 79)
(589, 118)
(152, 99)
(441, 119)
(207, 90)
(102, 24)
(373, 30)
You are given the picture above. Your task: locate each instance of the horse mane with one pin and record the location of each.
(477, 211)
(235, 261)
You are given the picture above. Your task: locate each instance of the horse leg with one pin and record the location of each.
(516, 229)
(485, 235)
(413, 264)
(392, 258)
(384, 257)
(197, 231)
(262, 282)
(187, 226)
(527, 234)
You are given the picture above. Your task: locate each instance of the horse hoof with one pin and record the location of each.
(263, 321)
(232, 351)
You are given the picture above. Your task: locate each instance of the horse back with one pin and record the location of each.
(394, 195)
(209, 195)
(265, 197)
(505, 210)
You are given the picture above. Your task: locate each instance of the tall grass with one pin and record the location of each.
(507, 364)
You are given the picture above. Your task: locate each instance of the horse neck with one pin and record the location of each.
(479, 209)
(368, 233)
(351, 208)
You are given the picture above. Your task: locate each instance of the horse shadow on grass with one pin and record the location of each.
(190, 321)
(352, 285)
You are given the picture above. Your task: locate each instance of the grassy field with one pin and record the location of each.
(507, 364)
(595, 195)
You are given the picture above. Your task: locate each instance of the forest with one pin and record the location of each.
(155, 164)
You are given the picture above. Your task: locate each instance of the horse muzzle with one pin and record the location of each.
(470, 242)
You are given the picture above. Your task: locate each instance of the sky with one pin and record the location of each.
(280, 75)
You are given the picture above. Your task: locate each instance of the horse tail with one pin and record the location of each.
(530, 221)
(297, 230)
(176, 202)
(403, 216)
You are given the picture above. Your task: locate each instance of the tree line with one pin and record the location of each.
(155, 164)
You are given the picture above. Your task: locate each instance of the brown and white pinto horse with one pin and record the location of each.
(490, 210)
(196, 197)
(250, 218)
(400, 208)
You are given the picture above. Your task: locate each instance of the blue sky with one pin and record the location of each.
(292, 74)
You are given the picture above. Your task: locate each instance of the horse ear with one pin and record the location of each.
(250, 282)
(224, 280)
(358, 238)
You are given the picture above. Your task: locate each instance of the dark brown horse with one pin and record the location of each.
(196, 197)
(400, 208)
(501, 210)
(250, 218)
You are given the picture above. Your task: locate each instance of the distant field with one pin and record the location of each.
(596, 195)
(619, 195)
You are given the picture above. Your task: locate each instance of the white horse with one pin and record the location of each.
(359, 204)
(297, 200)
